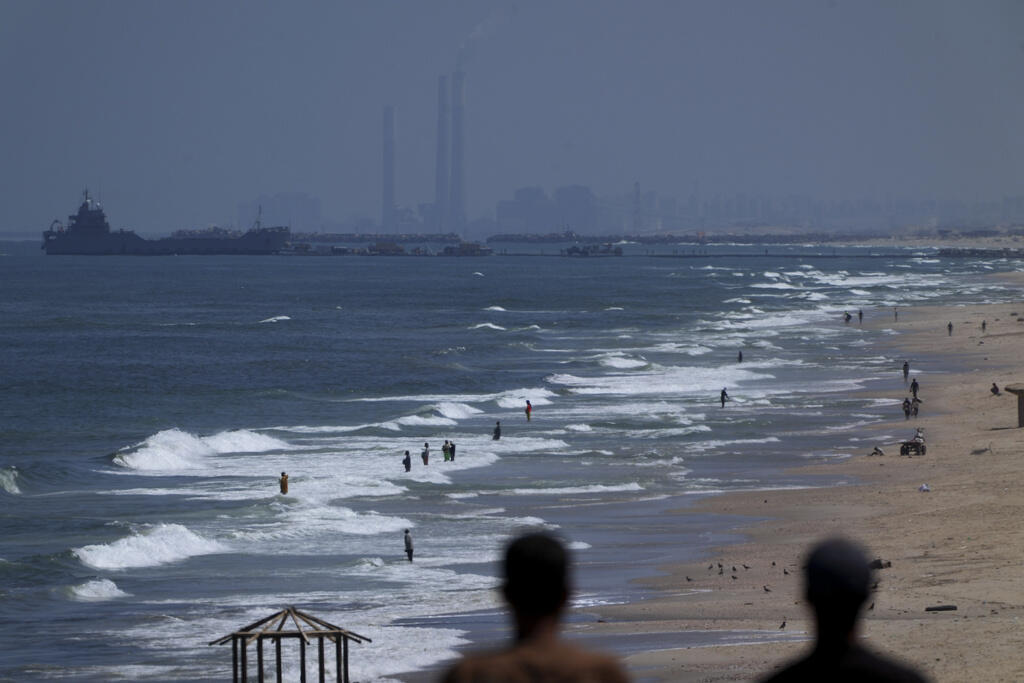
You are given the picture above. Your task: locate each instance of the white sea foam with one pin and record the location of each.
(622, 362)
(577, 490)
(494, 308)
(148, 547)
(174, 449)
(425, 421)
(95, 591)
(488, 326)
(276, 319)
(579, 428)
(9, 480)
(456, 411)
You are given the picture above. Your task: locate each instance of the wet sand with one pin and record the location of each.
(962, 543)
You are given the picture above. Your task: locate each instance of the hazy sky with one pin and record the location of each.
(174, 112)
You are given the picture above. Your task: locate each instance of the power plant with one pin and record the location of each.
(449, 209)
(441, 170)
(457, 203)
(387, 198)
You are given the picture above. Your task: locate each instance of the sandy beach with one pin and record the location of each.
(958, 544)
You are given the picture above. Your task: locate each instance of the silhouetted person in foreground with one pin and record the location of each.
(836, 584)
(537, 590)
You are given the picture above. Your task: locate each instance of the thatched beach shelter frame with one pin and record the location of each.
(274, 629)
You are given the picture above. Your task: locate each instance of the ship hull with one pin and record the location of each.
(255, 242)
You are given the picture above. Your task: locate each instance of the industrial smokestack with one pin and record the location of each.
(387, 198)
(457, 204)
(441, 180)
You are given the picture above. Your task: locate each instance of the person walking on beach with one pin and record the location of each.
(408, 545)
(837, 583)
(446, 451)
(425, 454)
(949, 328)
(724, 397)
(529, 409)
(284, 483)
(914, 405)
(497, 431)
(451, 450)
(983, 325)
(407, 461)
(537, 587)
(914, 386)
(906, 370)
(739, 356)
(860, 316)
(895, 314)
(906, 408)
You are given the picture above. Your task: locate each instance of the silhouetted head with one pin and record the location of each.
(283, 474)
(536, 575)
(838, 581)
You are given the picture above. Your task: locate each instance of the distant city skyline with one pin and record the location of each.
(175, 115)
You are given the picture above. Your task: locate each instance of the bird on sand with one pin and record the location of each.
(688, 578)
(783, 624)
(734, 567)
(773, 563)
(710, 567)
(766, 589)
(785, 571)
(871, 607)
(733, 577)
(746, 566)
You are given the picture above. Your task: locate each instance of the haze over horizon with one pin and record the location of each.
(175, 113)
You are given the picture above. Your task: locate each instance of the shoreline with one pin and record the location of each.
(957, 544)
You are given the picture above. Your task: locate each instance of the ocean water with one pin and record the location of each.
(149, 405)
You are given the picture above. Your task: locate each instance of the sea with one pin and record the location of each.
(150, 404)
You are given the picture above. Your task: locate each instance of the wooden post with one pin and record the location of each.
(277, 647)
(320, 654)
(302, 659)
(234, 659)
(345, 662)
(245, 665)
(337, 657)
(259, 658)
(1019, 390)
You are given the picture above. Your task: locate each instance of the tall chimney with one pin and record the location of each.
(457, 205)
(441, 179)
(387, 198)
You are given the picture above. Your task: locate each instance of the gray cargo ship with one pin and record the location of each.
(88, 232)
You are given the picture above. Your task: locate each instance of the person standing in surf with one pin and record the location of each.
(724, 396)
(497, 431)
(446, 451)
(407, 461)
(451, 450)
(284, 483)
(408, 545)
(425, 454)
(529, 409)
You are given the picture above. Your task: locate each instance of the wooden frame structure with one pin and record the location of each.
(274, 629)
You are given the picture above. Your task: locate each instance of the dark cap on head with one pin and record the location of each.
(283, 474)
(837, 571)
(536, 574)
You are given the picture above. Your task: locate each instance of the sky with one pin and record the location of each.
(173, 113)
